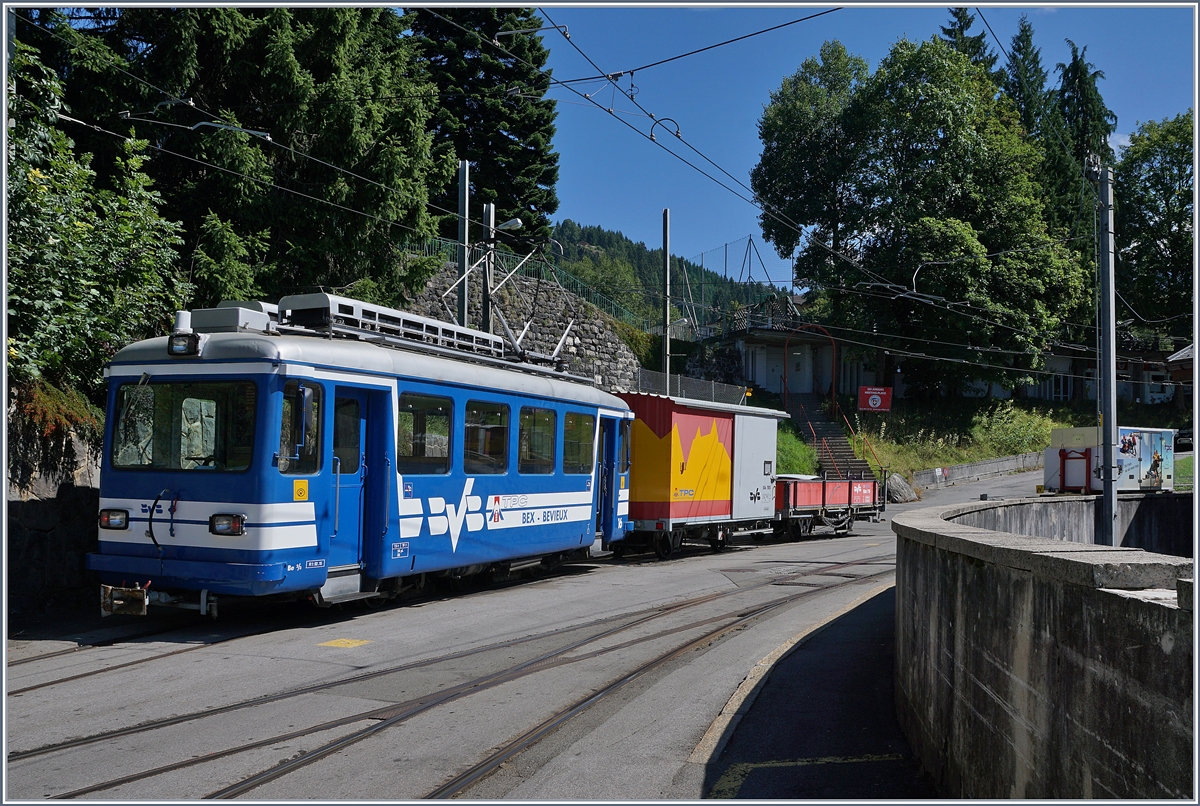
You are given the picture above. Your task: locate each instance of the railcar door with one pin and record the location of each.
(349, 475)
(608, 480)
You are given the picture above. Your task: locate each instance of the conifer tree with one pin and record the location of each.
(1024, 79)
(1087, 118)
(973, 47)
(488, 65)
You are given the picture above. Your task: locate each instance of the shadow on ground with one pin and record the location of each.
(823, 726)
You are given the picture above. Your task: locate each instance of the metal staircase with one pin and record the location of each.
(835, 456)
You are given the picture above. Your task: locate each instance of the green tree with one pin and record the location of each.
(807, 144)
(947, 239)
(89, 269)
(1075, 125)
(1155, 223)
(615, 279)
(711, 291)
(294, 142)
(492, 110)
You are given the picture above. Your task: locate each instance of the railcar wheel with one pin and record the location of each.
(664, 546)
(719, 543)
(618, 551)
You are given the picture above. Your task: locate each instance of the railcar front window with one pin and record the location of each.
(537, 441)
(579, 432)
(423, 434)
(485, 438)
(206, 426)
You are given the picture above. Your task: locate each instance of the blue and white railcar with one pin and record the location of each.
(343, 453)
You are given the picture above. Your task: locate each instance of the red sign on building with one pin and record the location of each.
(874, 398)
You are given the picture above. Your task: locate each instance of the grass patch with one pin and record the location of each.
(1185, 473)
(792, 454)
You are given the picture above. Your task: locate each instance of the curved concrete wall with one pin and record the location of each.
(1159, 522)
(1032, 668)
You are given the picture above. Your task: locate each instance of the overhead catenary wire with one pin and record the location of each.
(698, 50)
(555, 81)
(435, 207)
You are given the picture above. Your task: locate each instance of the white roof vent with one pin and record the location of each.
(232, 319)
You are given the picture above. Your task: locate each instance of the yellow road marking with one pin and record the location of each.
(347, 643)
(731, 782)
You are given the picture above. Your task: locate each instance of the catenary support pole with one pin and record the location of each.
(666, 345)
(1106, 527)
(464, 249)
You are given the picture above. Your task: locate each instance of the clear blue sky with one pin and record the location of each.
(615, 178)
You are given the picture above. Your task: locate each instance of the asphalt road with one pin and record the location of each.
(675, 731)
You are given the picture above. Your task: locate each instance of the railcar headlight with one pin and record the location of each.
(114, 519)
(181, 344)
(227, 524)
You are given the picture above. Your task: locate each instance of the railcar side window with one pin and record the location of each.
(207, 426)
(485, 438)
(579, 432)
(423, 434)
(623, 455)
(536, 438)
(308, 459)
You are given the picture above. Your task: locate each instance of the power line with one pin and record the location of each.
(633, 70)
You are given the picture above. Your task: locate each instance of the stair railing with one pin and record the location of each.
(867, 444)
(825, 445)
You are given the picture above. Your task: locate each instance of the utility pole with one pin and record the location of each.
(1106, 524)
(489, 221)
(666, 346)
(464, 248)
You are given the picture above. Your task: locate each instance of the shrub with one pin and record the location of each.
(1008, 430)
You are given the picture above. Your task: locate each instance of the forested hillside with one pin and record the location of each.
(631, 273)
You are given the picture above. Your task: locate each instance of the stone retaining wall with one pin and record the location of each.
(973, 471)
(51, 526)
(592, 349)
(1033, 668)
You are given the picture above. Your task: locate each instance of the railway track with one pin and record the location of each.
(313, 617)
(579, 636)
